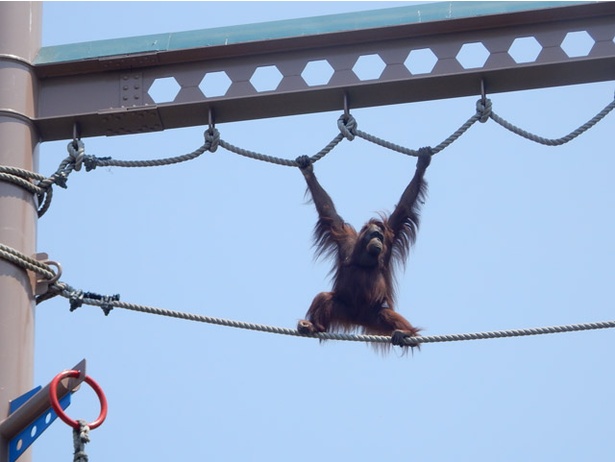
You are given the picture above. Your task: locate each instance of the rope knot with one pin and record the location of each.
(348, 126)
(212, 139)
(76, 151)
(483, 106)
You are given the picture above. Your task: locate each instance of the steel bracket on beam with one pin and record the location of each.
(124, 121)
(31, 414)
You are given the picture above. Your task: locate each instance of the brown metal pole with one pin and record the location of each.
(20, 39)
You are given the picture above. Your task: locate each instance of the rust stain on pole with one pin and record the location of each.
(20, 38)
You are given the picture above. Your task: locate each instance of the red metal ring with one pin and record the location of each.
(55, 404)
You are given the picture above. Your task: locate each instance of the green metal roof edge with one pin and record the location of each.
(286, 29)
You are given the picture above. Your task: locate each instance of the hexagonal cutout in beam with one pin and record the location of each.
(577, 44)
(317, 73)
(525, 50)
(472, 55)
(421, 61)
(215, 84)
(266, 78)
(164, 90)
(369, 67)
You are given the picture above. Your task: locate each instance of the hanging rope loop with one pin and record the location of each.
(347, 126)
(97, 300)
(78, 298)
(554, 141)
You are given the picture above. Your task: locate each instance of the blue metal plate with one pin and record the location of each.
(23, 440)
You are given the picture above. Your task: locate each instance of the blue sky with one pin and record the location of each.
(513, 235)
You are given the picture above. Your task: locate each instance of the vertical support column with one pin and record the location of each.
(20, 38)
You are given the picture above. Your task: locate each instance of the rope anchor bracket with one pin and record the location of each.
(31, 413)
(40, 285)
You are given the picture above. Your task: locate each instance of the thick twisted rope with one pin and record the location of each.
(78, 298)
(346, 124)
(412, 152)
(81, 436)
(43, 187)
(348, 129)
(23, 179)
(212, 138)
(76, 149)
(554, 141)
(278, 160)
(28, 263)
(75, 295)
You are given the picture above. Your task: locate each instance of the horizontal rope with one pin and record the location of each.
(78, 298)
(348, 129)
(72, 294)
